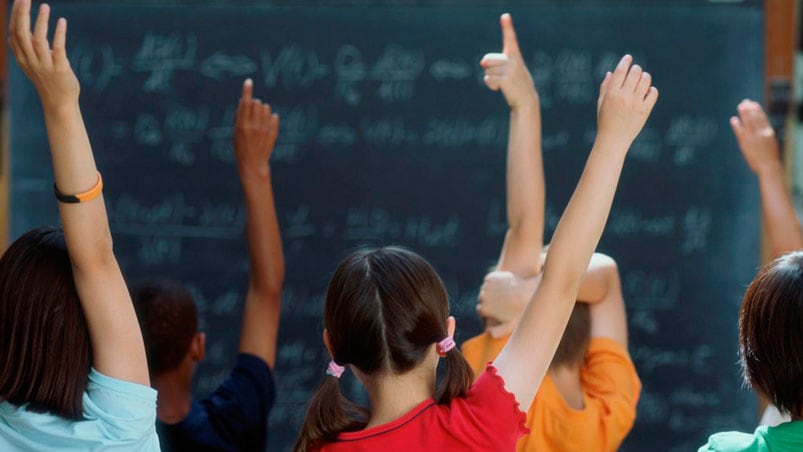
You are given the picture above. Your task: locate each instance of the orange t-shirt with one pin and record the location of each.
(611, 390)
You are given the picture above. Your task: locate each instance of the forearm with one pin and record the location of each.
(581, 226)
(525, 193)
(86, 227)
(783, 227)
(264, 240)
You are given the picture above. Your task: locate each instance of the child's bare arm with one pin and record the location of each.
(508, 72)
(760, 150)
(626, 100)
(255, 131)
(117, 347)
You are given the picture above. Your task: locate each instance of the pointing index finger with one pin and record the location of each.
(510, 44)
(248, 90)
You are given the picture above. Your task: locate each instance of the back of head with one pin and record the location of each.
(168, 318)
(385, 308)
(771, 333)
(44, 340)
(576, 337)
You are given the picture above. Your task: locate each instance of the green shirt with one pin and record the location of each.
(785, 437)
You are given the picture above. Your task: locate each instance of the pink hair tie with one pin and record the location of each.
(445, 345)
(334, 369)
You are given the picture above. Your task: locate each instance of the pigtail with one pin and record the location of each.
(328, 415)
(458, 378)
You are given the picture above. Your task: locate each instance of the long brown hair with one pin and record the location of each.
(385, 308)
(45, 351)
(771, 333)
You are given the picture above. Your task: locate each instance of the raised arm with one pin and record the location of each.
(117, 347)
(626, 100)
(760, 150)
(255, 132)
(508, 72)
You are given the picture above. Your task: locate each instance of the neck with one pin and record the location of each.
(393, 396)
(567, 380)
(174, 396)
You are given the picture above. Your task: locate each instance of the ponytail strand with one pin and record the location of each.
(328, 415)
(458, 378)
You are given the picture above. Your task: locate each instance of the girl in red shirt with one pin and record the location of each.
(387, 314)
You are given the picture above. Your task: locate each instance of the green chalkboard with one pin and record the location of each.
(389, 136)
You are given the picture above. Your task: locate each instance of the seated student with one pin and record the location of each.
(759, 147)
(386, 316)
(588, 399)
(74, 376)
(771, 350)
(235, 416)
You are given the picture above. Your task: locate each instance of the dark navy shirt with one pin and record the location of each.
(233, 418)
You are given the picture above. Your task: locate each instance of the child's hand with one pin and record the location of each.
(755, 136)
(255, 132)
(48, 69)
(507, 70)
(626, 99)
(503, 297)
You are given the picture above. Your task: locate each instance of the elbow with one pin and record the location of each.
(96, 256)
(271, 286)
(562, 287)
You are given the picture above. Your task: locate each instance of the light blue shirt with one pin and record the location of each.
(118, 416)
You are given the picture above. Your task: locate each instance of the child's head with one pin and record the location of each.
(44, 339)
(386, 309)
(168, 318)
(771, 333)
(576, 337)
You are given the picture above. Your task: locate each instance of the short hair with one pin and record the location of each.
(45, 348)
(771, 333)
(576, 337)
(168, 318)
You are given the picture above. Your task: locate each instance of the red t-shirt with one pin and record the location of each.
(488, 418)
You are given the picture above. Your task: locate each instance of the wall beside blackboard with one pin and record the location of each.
(389, 136)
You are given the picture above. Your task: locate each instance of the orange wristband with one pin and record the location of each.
(86, 196)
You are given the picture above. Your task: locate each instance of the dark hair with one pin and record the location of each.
(45, 348)
(168, 318)
(576, 337)
(385, 308)
(771, 333)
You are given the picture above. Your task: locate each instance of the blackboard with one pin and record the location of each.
(389, 136)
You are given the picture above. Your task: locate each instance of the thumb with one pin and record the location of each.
(510, 44)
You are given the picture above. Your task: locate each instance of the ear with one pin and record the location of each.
(327, 343)
(198, 347)
(451, 325)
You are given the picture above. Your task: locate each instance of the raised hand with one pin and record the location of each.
(756, 137)
(255, 132)
(626, 99)
(507, 70)
(48, 68)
